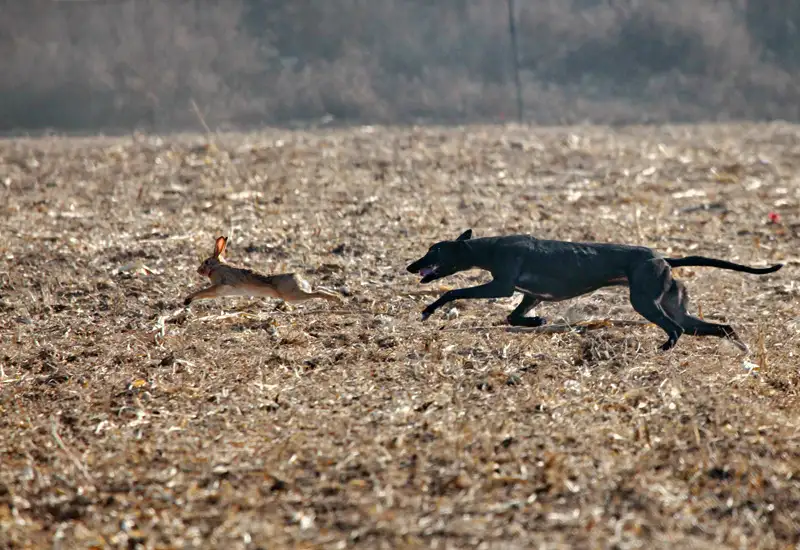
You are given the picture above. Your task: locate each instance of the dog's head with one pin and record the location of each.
(443, 258)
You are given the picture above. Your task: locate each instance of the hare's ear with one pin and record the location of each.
(219, 246)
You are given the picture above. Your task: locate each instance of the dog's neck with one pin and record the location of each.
(475, 257)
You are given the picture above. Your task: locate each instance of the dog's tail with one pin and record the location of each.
(722, 264)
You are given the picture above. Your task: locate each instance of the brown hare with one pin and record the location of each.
(236, 281)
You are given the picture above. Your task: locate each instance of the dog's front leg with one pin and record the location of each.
(492, 289)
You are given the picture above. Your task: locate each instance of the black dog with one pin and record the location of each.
(550, 271)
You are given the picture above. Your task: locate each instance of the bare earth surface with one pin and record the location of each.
(128, 421)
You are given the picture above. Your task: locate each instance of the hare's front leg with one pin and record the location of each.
(205, 293)
(220, 290)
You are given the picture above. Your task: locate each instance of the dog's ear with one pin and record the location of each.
(465, 236)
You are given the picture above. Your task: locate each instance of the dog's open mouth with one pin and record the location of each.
(428, 273)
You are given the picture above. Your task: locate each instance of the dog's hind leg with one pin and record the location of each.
(517, 317)
(676, 302)
(649, 282)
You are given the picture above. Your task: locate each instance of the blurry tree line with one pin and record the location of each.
(119, 64)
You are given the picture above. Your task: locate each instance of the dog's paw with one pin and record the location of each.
(425, 315)
(741, 345)
(526, 321)
(669, 344)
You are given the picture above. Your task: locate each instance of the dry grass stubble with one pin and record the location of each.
(244, 423)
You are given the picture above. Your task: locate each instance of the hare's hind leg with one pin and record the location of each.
(300, 295)
(297, 289)
(327, 295)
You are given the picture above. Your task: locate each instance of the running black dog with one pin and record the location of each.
(551, 271)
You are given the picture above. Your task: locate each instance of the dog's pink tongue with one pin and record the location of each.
(425, 271)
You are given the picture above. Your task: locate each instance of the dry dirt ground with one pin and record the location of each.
(129, 421)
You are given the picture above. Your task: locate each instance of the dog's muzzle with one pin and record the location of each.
(425, 271)
(428, 273)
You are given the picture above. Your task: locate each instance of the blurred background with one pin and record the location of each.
(116, 65)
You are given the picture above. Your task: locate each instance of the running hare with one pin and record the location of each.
(236, 281)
